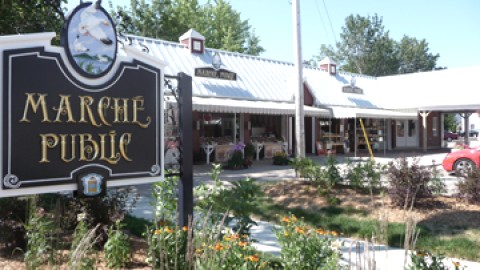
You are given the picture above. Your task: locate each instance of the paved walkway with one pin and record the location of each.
(263, 170)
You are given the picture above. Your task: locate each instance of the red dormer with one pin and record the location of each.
(328, 65)
(194, 41)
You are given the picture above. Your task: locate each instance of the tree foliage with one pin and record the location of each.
(366, 48)
(30, 16)
(217, 21)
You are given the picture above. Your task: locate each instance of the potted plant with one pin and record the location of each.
(249, 152)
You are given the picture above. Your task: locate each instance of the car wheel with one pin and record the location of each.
(463, 166)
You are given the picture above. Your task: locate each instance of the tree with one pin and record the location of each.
(30, 16)
(414, 56)
(221, 25)
(366, 48)
(449, 122)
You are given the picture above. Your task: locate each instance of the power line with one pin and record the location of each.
(321, 19)
(330, 21)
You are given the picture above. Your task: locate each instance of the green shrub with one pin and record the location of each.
(364, 175)
(408, 182)
(280, 158)
(332, 173)
(236, 160)
(249, 150)
(117, 249)
(238, 201)
(303, 247)
(39, 239)
(469, 187)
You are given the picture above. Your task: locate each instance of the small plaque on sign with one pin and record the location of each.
(91, 185)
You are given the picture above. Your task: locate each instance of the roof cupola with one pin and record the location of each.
(194, 41)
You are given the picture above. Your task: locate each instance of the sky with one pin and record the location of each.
(451, 27)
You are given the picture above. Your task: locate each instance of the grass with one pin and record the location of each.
(354, 223)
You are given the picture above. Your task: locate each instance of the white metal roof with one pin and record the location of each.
(257, 78)
(449, 90)
(261, 79)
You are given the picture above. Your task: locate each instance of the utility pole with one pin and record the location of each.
(299, 100)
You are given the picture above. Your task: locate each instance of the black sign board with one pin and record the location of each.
(352, 90)
(55, 127)
(209, 72)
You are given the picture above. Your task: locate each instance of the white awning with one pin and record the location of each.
(351, 112)
(226, 105)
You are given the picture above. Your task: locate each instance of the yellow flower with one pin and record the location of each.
(185, 228)
(334, 233)
(253, 258)
(320, 231)
(199, 251)
(299, 230)
(286, 219)
(168, 230)
(294, 218)
(243, 244)
(286, 234)
(244, 236)
(157, 232)
(227, 238)
(218, 247)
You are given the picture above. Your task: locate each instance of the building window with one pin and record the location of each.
(435, 126)
(412, 128)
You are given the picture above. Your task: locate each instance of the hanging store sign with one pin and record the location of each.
(209, 72)
(78, 118)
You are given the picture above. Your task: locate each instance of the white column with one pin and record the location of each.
(313, 134)
(290, 133)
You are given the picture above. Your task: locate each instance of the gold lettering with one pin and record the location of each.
(64, 108)
(114, 157)
(103, 105)
(90, 150)
(125, 140)
(64, 147)
(85, 103)
(49, 141)
(138, 106)
(120, 111)
(30, 101)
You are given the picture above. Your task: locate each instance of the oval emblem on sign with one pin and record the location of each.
(90, 40)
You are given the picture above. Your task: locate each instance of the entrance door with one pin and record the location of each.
(406, 133)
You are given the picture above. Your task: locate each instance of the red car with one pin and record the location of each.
(449, 136)
(461, 161)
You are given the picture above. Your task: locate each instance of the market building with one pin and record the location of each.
(244, 98)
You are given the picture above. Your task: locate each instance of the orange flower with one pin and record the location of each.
(243, 244)
(286, 219)
(218, 247)
(334, 233)
(157, 232)
(456, 264)
(235, 236)
(185, 228)
(299, 230)
(320, 231)
(253, 258)
(422, 253)
(168, 230)
(162, 223)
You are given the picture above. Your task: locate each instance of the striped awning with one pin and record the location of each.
(226, 105)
